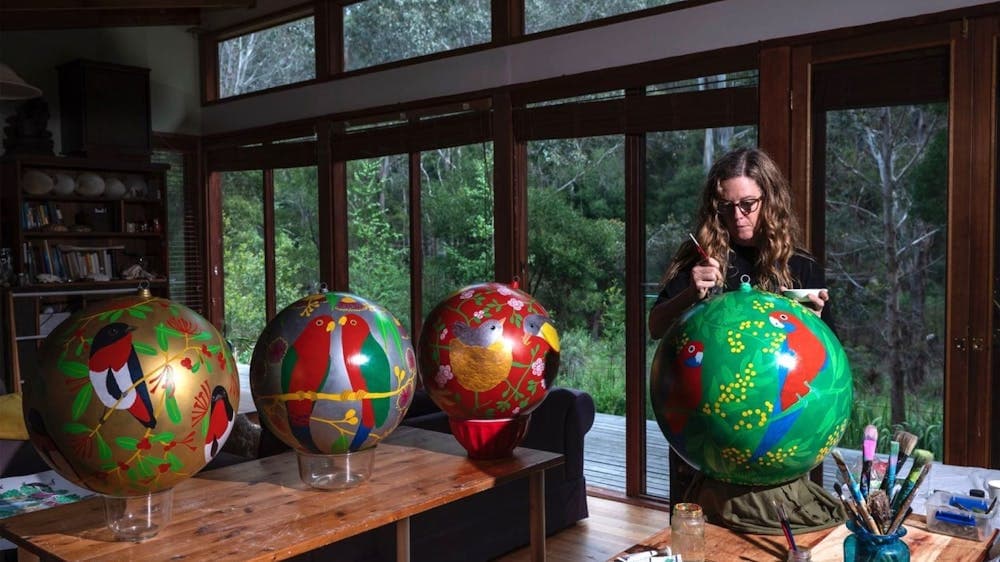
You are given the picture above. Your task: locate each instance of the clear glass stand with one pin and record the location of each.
(333, 472)
(133, 518)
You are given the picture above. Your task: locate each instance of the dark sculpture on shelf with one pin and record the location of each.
(27, 129)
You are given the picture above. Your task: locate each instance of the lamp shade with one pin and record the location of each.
(13, 87)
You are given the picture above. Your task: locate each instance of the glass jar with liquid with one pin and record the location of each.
(687, 532)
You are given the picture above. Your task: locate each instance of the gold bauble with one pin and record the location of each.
(132, 395)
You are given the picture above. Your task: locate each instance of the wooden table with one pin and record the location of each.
(723, 545)
(261, 510)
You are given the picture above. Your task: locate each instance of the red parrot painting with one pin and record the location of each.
(116, 374)
(367, 367)
(220, 422)
(799, 359)
(305, 368)
(685, 390)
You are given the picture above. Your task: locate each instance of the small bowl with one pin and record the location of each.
(801, 295)
(490, 439)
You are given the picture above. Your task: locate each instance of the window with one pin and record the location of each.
(456, 190)
(576, 259)
(271, 57)
(296, 234)
(382, 31)
(245, 306)
(676, 165)
(378, 230)
(184, 233)
(881, 162)
(540, 15)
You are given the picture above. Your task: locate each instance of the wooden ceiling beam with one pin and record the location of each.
(128, 5)
(35, 20)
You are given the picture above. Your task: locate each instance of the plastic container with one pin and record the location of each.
(959, 515)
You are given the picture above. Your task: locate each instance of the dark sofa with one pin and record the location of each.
(481, 527)
(487, 525)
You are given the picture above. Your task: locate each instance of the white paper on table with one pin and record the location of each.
(33, 492)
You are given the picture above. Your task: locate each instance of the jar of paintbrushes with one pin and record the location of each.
(864, 546)
(876, 514)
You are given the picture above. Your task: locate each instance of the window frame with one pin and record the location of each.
(783, 130)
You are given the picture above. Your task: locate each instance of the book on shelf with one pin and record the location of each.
(71, 262)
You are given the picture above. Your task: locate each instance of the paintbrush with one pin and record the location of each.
(845, 498)
(704, 257)
(907, 442)
(890, 476)
(921, 457)
(786, 525)
(868, 458)
(878, 506)
(852, 484)
(698, 247)
(904, 508)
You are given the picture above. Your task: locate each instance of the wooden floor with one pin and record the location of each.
(612, 527)
(604, 457)
(615, 525)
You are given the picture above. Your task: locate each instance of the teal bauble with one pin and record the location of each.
(751, 388)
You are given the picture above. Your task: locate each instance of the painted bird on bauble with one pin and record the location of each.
(799, 359)
(304, 369)
(480, 358)
(368, 369)
(684, 392)
(539, 326)
(116, 374)
(221, 418)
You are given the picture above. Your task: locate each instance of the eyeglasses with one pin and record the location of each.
(745, 206)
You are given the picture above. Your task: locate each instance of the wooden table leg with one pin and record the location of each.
(536, 507)
(25, 555)
(403, 540)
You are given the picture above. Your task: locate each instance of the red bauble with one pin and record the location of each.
(488, 352)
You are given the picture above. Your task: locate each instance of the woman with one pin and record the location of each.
(746, 228)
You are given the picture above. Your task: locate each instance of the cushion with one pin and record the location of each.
(12, 417)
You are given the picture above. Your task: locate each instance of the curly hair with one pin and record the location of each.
(777, 228)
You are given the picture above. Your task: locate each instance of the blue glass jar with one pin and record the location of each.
(864, 546)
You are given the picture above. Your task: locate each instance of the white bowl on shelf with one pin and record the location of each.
(113, 187)
(36, 182)
(65, 184)
(89, 184)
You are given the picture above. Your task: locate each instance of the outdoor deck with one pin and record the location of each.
(604, 457)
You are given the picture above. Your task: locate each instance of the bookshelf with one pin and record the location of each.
(90, 227)
(78, 230)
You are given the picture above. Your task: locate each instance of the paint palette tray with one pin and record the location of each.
(959, 515)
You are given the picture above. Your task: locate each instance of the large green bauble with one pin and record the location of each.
(751, 388)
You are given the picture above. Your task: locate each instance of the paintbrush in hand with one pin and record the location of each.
(868, 458)
(921, 457)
